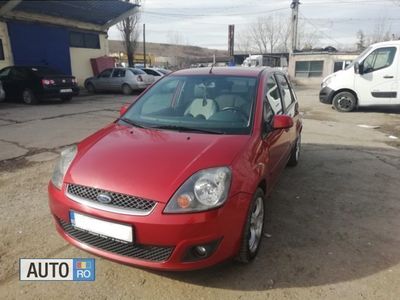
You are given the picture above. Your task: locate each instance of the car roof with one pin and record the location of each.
(228, 71)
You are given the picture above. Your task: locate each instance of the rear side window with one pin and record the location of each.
(379, 59)
(106, 73)
(273, 97)
(118, 73)
(4, 72)
(19, 74)
(286, 92)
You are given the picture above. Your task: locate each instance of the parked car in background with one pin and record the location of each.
(34, 83)
(125, 80)
(2, 93)
(156, 72)
(180, 180)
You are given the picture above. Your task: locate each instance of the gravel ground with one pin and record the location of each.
(334, 227)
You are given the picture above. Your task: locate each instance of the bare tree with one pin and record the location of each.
(307, 38)
(361, 40)
(175, 38)
(381, 31)
(130, 31)
(267, 34)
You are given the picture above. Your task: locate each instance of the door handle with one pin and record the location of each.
(388, 77)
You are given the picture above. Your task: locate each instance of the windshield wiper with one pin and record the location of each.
(133, 123)
(187, 129)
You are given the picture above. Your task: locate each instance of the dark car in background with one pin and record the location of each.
(34, 83)
(2, 93)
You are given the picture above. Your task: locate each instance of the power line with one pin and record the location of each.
(211, 14)
(317, 28)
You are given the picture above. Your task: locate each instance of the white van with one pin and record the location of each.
(373, 78)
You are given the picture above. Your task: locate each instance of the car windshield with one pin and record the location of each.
(137, 71)
(358, 58)
(212, 103)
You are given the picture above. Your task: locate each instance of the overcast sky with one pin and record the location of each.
(205, 23)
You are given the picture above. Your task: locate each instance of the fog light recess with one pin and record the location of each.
(202, 251)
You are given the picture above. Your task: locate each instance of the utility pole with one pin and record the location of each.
(295, 21)
(144, 45)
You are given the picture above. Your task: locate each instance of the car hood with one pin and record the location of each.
(148, 163)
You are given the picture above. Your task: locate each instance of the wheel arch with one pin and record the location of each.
(345, 90)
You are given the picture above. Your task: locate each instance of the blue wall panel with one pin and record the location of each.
(34, 44)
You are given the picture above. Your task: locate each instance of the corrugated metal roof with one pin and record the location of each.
(97, 12)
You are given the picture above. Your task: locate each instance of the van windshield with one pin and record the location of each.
(358, 58)
(208, 103)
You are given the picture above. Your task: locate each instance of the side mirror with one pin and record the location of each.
(123, 109)
(356, 68)
(282, 122)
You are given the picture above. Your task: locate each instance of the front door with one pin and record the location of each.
(276, 140)
(379, 82)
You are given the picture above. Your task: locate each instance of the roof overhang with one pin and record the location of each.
(96, 15)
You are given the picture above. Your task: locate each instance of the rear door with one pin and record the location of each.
(379, 82)
(117, 79)
(276, 140)
(102, 81)
(290, 108)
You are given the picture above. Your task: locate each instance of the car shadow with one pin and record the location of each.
(393, 109)
(335, 218)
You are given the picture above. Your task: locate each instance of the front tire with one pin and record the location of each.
(253, 231)
(29, 97)
(344, 101)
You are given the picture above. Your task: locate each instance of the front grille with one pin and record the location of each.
(118, 200)
(145, 252)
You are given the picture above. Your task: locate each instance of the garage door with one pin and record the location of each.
(34, 44)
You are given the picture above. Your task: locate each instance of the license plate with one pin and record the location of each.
(100, 227)
(66, 91)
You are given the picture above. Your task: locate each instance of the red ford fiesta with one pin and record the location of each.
(178, 182)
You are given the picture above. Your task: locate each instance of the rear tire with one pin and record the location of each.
(295, 155)
(344, 101)
(126, 89)
(253, 230)
(29, 97)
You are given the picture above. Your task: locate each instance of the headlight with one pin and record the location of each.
(67, 156)
(204, 190)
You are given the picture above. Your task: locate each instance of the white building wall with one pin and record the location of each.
(8, 59)
(329, 60)
(80, 59)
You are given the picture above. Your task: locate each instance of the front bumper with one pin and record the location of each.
(159, 232)
(326, 95)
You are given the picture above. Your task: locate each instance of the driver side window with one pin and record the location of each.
(105, 73)
(379, 59)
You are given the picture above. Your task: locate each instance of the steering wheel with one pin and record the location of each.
(236, 110)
